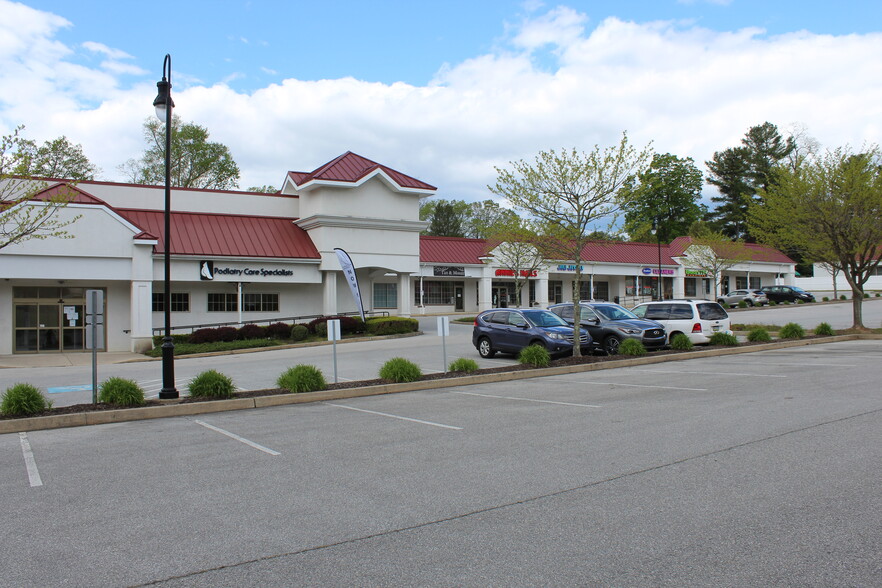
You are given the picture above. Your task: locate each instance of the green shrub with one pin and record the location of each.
(632, 347)
(176, 339)
(121, 392)
(791, 331)
(534, 355)
(348, 324)
(773, 303)
(742, 304)
(842, 297)
(824, 329)
(188, 348)
(759, 335)
(463, 365)
(23, 400)
(826, 299)
(211, 384)
(399, 369)
(866, 294)
(302, 378)
(278, 330)
(392, 325)
(725, 339)
(299, 332)
(321, 329)
(800, 301)
(878, 294)
(681, 342)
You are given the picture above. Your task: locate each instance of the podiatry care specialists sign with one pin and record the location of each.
(209, 271)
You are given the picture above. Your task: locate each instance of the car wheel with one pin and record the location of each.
(611, 345)
(749, 302)
(485, 350)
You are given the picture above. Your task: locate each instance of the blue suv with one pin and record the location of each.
(508, 330)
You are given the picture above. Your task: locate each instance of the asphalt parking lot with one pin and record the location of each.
(745, 470)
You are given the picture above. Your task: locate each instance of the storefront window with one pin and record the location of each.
(180, 302)
(253, 302)
(222, 302)
(386, 295)
(434, 292)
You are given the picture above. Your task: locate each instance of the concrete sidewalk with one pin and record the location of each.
(38, 360)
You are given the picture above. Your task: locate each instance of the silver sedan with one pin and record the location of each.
(750, 297)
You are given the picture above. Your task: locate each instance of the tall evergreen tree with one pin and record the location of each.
(741, 173)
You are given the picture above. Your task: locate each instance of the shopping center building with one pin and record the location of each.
(242, 257)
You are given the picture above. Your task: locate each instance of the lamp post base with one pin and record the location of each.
(168, 391)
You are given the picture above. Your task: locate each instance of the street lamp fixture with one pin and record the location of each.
(656, 230)
(164, 105)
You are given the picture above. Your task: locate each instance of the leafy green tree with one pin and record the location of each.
(447, 218)
(59, 159)
(715, 253)
(518, 253)
(488, 217)
(196, 162)
(741, 173)
(829, 207)
(21, 217)
(562, 194)
(265, 189)
(669, 193)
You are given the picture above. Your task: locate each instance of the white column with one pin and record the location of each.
(329, 293)
(485, 293)
(141, 316)
(542, 290)
(405, 298)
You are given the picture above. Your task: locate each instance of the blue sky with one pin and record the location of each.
(444, 91)
(249, 44)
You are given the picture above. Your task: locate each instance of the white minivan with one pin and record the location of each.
(697, 319)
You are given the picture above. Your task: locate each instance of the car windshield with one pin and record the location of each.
(614, 313)
(544, 318)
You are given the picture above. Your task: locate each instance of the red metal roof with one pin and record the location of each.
(351, 168)
(758, 252)
(71, 193)
(451, 250)
(225, 235)
(620, 252)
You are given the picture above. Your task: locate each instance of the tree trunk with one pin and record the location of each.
(577, 309)
(857, 300)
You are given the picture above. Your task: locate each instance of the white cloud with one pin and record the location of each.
(108, 51)
(690, 90)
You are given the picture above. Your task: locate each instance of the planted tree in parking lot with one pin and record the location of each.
(518, 254)
(565, 193)
(829, 207)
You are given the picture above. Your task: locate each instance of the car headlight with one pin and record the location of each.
(557, 336)
(630, 331)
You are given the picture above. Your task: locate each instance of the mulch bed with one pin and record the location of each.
(565, 361)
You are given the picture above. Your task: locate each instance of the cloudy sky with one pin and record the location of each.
(441, 90)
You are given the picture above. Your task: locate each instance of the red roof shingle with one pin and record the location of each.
(351, 168)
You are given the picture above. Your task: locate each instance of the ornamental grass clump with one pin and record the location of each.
(534, 355)
(463, 365)
(211, 384)
(23, 400)
(725, 339)
(399, 370)
(632, 347)
(121, 392)
(759, 335)
(791, 331)
(681, 342)
(302, 378)
(825, 330)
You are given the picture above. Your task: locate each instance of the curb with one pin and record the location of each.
(174, 408)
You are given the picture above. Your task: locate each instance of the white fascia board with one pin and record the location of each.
(383, 175)
(349, 222)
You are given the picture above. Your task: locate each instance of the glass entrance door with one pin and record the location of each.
(49, 320)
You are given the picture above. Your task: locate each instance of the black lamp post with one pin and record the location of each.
(164, 105)
(656, 230)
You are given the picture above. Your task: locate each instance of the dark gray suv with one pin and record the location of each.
(609, 324)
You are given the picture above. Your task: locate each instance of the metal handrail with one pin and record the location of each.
(284, 319)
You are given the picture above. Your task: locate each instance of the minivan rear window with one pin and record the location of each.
(711, 311)
(681, 312)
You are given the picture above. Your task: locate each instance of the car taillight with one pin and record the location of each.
(476, 322)
(696, 328)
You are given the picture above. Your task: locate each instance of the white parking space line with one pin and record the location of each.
(807, 364)
(525, 399)
(237, 438)
(630, 385)
(393, 416)
(30, 462)
(711, 373)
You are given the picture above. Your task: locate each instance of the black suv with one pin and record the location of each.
(609, 324)
(787, 294)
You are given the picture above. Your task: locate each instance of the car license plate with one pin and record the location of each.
(715, 327)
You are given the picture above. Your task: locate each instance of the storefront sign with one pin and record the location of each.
(449, 271)
(691, 273)
(654, 270)
(524, 273)
(208, 271)
(570, 268)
